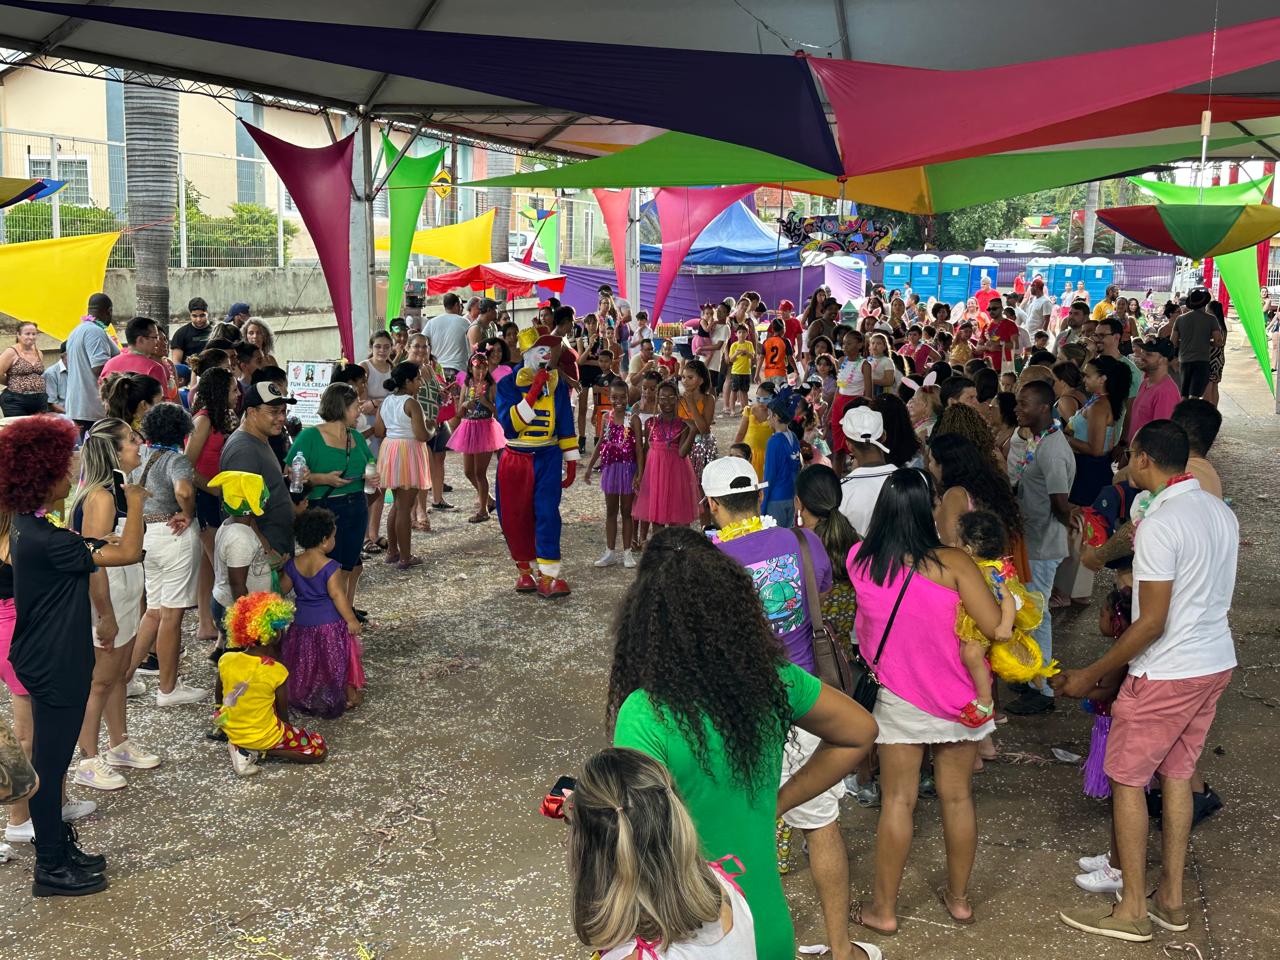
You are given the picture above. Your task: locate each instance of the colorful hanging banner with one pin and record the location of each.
(614, 208)
(1250, 192)
(835, 236)
(1194, 230)
(319, 183)
(407, 190)
(49, 282)
(462, 244)
(546, 235)
(683, 213)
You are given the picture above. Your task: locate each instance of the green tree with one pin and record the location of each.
(964, 229)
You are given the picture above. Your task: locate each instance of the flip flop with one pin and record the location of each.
(855, 917)
(942, 898)
(411, 562)
(371, 547)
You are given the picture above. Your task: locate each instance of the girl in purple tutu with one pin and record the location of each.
(478, 434)
(616, 454)
(321, 648)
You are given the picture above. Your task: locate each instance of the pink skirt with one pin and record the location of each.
(669, 492)
(478, 436)
(402, 465)
(8, 620)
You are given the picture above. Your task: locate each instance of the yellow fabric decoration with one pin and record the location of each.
(462, 244)
(49, 282)
(242, 492)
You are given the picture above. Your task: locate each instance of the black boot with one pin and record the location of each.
(65, 880)
(91, 862)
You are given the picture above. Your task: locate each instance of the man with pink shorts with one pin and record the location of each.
(1180, 656)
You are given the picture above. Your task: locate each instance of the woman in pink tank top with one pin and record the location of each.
(924, 685)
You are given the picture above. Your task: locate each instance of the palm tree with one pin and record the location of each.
(501, 164)
(1090, 215)
(151, 176)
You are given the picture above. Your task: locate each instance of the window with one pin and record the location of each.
(74, 170)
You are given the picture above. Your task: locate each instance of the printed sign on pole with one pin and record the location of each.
(307, 380)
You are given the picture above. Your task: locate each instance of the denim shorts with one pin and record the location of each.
(351, 513)
(208, 510)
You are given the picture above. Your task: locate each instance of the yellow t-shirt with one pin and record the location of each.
(741, 353)
(248, 714)
(1104, 309)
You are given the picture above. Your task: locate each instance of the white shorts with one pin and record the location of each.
(126, 586)
(172, 566)
(825, 807)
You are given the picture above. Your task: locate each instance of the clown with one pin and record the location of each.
(537, 419)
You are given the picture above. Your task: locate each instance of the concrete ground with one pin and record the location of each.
(421, 838)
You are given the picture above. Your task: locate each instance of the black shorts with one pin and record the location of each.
(208, 510)
(440, 442)
(739, 382)
(15, 404)
(1195, 377)
(588, 376)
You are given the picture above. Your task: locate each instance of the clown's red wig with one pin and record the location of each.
(35, 453)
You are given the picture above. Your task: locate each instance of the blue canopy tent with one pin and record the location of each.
(736, 238)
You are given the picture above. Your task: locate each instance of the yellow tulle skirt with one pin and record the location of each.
(1018, 659)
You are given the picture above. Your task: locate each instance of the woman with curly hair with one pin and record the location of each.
(257, 332)
(214, 419)
(969, 423)
(172, 560)
(968, 481)
(52, 648)
(699, 683)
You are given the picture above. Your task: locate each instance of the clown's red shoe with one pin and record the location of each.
(552, 587)
(526, 583)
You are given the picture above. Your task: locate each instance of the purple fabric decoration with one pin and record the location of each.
(766, 101)
(1096, 782)
(319, 181)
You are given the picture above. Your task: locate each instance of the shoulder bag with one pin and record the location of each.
(830, 663)
(866, 688)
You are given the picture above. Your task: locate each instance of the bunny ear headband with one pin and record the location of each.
(930, 381)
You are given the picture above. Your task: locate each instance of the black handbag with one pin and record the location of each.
(830, 663)
(866, 688)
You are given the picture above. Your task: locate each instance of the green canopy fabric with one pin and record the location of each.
(407, 186)
(1227, 193)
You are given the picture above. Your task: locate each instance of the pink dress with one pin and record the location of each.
(668, 489)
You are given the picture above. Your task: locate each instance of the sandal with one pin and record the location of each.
(855, 917)
(942, 898)
(975, 715)
(478, 518)
(411, 562)
(422, 526)
(371, 547)
(391, 558)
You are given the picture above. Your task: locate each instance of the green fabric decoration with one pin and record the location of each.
(1239, 271)
(547, 231)
(408, 185)
(1227, 193)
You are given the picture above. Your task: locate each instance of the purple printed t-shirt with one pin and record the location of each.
(772, 557)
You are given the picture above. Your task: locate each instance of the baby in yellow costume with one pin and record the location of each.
(1013, 653)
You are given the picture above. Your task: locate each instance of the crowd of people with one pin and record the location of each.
(911, 491)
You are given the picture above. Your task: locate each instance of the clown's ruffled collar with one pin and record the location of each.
(524, 377)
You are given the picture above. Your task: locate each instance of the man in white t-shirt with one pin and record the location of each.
(1178, 656)
(1038, 308)
(860, 490)
(448, 335)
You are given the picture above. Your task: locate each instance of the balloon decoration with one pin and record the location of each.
(835, 236)
(49, 282)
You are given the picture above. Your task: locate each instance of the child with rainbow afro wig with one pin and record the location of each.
(255, 707)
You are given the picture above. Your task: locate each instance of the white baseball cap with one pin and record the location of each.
(729, 475)
(864, 425)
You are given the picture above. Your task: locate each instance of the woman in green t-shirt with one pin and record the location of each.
(700, 684)
(337, 454)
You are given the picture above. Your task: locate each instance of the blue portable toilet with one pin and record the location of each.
(897, 271)
(980, 267)
(1066, 270)
(924, 275)
(1099, 273)
(954, 285)
(1042, 266)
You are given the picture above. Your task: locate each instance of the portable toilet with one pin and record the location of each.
(1099, 273)
(954, 283)
(979, 267)
(897, 271)
(924, 275)
(1066, 270)
(1042, 266)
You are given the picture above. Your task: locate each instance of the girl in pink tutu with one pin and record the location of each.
(616, 454)
(321, 647)
(669, 492)
(402, 457)
(478, 434)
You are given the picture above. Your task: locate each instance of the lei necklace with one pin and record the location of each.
(1033, 445)
(740, 528)
(1145, 502)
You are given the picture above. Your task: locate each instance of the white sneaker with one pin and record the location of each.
(94, 772)
(22, 833)
(127, 754)
(1090, 864)
(135, 688)
(1106, 880)
(628, 559)
(243, 762)
(180, 694)
(608, 559)
(7, 853)
(75, 810)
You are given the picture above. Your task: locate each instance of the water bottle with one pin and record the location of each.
(297, 470)
(370, 478)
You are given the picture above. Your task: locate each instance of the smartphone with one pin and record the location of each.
(117, 488)
(553, 802)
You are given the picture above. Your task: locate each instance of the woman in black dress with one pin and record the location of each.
(52, 649)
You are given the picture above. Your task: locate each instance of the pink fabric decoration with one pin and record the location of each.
(1031, 96)
(319, 181)
(683, 213)
(615, 206)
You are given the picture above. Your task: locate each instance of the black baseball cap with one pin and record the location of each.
(266, 395)
(1161, 345)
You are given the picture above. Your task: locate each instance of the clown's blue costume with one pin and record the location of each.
(537, 419)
